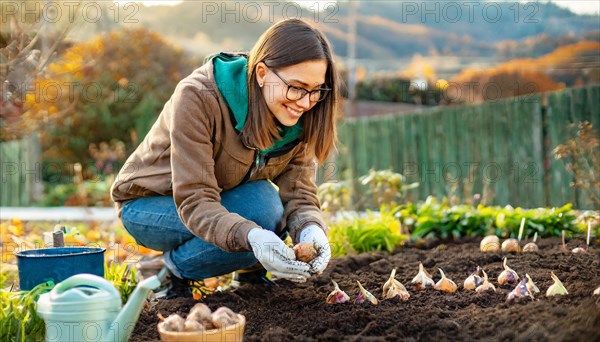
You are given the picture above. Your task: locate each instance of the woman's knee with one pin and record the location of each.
(154, 223)
(257, 201)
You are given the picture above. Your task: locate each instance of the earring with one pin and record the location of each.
(260, 84)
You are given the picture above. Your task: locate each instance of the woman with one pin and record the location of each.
(227, 170)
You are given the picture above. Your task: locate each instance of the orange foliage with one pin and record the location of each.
(489, 85)
(99, 89)
(521, 76)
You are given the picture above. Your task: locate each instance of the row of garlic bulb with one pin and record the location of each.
(477, 281)
(491, 243)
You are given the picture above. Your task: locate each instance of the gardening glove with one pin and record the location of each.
(276, 257)
(316, 235)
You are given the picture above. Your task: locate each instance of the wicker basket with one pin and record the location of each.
(232, 333)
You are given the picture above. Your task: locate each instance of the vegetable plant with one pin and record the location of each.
(334, 196)
(386, 187)
(18, 318)
(124, 278)
(376, 231)
(434, 218)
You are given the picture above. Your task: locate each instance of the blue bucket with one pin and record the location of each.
(57, 264)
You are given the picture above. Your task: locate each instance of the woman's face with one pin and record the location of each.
(308, 75)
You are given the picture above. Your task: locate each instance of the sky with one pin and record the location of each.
(576, 6)
(580, 6)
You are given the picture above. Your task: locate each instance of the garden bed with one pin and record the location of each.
(299, 312)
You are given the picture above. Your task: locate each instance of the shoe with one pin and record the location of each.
(183, 288)
(178, 288)
(253, 275)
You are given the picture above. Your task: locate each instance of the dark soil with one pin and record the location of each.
(299, 312)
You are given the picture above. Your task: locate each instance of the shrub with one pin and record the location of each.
(26, 47)
(581, 157)
(107, 88)
(432, 218)
(376, 231)
(386, 187)
(334, 196)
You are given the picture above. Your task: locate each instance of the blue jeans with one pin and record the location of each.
(154, 223)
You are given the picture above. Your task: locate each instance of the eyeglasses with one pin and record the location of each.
(296, 93)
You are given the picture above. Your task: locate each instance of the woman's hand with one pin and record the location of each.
(316, 235)
(276, 257)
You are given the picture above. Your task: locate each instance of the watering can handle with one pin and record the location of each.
(87, 280)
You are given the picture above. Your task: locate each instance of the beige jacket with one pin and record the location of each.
(193, 153)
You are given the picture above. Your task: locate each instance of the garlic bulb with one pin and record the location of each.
(192, 325)
(490, 243)
(473, 281)
(597, 291)
(531, 248)
(511, 246)
(557, 288)
(337, 296)
(531, 286)
(521, 290)
(223, 317)
(486, 285)
(365, 295)
(393, 288)
(508, 276)
(579, 250)
(445, 284)
(172, 323)
(200, 312)
(422, 279)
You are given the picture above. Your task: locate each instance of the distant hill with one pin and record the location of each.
(488, 21)
(567, 66)
(541, 44)
(385, 29)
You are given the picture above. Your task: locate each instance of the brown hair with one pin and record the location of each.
(286, 43)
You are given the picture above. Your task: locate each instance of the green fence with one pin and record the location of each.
(502, 149)
(20, 171)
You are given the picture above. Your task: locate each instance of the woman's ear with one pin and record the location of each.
(261, 73)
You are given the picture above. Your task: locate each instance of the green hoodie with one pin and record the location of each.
(230, 75)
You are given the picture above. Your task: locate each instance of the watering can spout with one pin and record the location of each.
(127, 317)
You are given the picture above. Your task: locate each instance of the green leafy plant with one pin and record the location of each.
(376, 231)
(545, 221)
(386, 187)
(86, 193)
(434, 218)
(18, 318)
(334, 196)
(123, 277)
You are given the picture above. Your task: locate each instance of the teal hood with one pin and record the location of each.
(231, 78)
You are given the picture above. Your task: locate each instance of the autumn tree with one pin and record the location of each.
(29, 41)
(113, 87)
